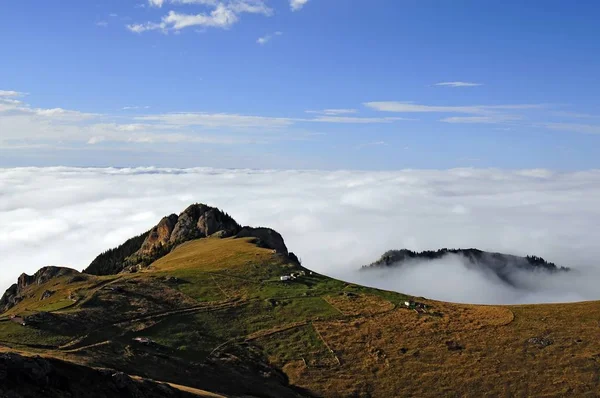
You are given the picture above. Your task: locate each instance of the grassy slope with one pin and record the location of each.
(334, 338)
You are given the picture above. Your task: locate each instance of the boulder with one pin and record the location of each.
(46, 295)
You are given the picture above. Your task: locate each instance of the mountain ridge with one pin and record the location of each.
(237, 316)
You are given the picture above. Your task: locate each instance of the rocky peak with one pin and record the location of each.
(196, 222)
(159, 235)
(16, 292)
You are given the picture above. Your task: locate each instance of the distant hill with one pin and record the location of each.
(229, 312)
(503, 265)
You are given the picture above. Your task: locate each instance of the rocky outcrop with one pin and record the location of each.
(196, 222)
(200, 221)
(34, 377)
(10, 298)
(265, 237)
(159, 235)
(15, 294)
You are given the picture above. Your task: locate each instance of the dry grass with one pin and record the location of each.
(213, 254)
(359, 304)
(334, 339)
(403, 353)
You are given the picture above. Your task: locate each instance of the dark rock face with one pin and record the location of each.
(38, 377)
(213, 221)
(265, 237)
(46, 295)
(10, 298)
(14, 294)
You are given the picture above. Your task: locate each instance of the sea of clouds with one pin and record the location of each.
(334, 221)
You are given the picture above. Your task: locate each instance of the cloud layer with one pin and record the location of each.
(335, 221)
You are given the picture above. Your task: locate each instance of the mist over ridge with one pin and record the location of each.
(335, 221)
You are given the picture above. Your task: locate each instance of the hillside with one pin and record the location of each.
(497, 261)
(507, 269)
(211, 312)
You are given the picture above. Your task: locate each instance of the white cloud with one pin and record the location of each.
(10, 93)
(409, 107)
(130, 108)
(575, 115)
(574, 127)
(480, 119)
(335, 221)
(264, 39)
(371, 144)
(333, 112)
(156, 3)
(24, 126)
(296, 5)
(458, 84)
(355, 120)
(477, 113)
(63, 114)
(102, 24)
(216, 120)
(222, 15)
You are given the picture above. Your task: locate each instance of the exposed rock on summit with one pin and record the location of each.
(14, 294)
(196, 222)
(159, 235)
(265, 237)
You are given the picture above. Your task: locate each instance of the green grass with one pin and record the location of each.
(301, 343)
(14, 333)
(55, 306)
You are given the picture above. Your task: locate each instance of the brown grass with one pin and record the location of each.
(367, 346)
(402, 353)
(362, 304)
(213, 254)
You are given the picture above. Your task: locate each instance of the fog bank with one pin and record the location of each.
(334, 221)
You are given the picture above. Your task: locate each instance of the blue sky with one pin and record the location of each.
(330, 84)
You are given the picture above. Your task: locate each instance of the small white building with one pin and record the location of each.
(285, 278)
(407, 303)
(143, 340)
